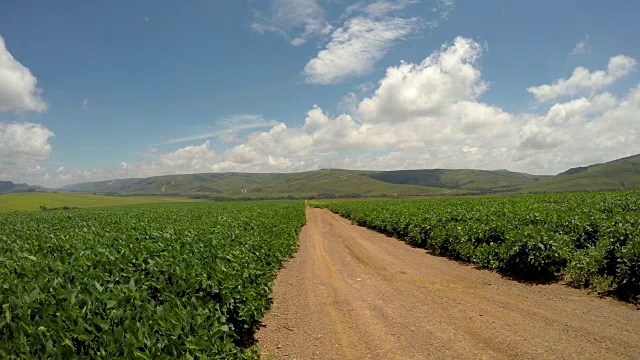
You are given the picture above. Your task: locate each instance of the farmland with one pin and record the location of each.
(590, 240)
(194, 280)
(32, 201)
(174, 281)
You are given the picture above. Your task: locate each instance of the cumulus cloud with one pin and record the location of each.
(296, 20)
(355, 47)
(22, 147)
(443, 78)
(425, 115)
(581, 132)
(428, 115)
(189, 158)
(18, 87)
(584, 81)
(23, 143)
(563, 122)
(406, 114)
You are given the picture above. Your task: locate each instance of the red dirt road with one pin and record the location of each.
(350, 293)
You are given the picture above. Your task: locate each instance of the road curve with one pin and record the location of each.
(351, 293)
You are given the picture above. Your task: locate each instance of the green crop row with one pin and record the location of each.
(146, 282)
(590, 239)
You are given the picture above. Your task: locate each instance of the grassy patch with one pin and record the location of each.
(33, 201)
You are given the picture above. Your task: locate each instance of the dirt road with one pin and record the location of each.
(351, 293)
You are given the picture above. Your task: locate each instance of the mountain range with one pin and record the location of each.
(8, 187)
(615, 175)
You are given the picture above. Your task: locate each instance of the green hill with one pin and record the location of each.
(614, 175)
(463, 179)
(618, 174)
(8, 187)
(319, 183)
(324, 183)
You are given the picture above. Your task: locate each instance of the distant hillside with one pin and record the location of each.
(618, 174)
(319, 183)
(464, 179)
(8, 187)
(614, 175)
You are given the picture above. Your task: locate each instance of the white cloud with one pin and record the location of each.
(425, 115)
(428, 115)
(296, 20)
(563, 122)
(22, 147)
(582, 47)
(569, 112)
(18, 87)
(444, 7)
(189, 158)
(355, 48)
(407, 113)
(23, 143)
(344, 134)
(369, 31)
(409, 90)
(378, 8)
(581, 132)
(279, 140)
(86, 105)
(583, 81)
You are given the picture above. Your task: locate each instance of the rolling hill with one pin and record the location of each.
(618, 174)
(614, 175)
(462, 179)
(318, 183)
(8, 187)
(325, 183)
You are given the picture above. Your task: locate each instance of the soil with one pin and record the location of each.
(351, 293)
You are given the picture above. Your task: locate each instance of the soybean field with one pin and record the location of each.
(591, 240)
(148, 282)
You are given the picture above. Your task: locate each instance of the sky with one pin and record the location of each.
(97, 90)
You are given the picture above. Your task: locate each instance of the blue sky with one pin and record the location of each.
(99, 90)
